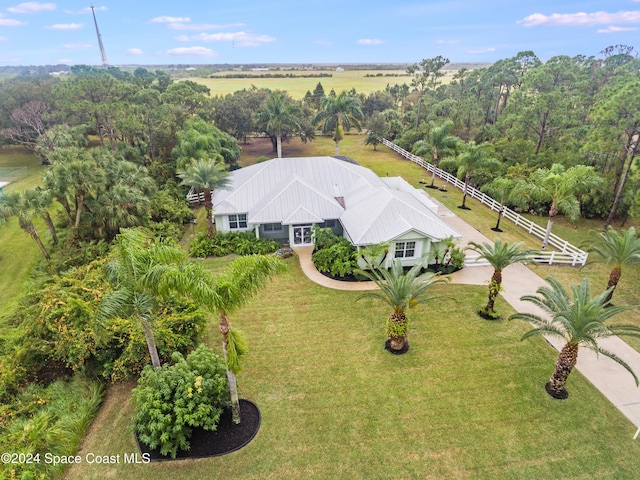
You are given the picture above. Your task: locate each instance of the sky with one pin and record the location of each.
(161, 32)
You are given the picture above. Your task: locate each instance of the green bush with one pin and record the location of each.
(334, 255)
(240, 243)
(174, 399)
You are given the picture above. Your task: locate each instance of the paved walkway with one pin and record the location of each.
(610, 378)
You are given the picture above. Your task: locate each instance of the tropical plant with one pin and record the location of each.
(338, 114)
(173, 400)
(559, 187)
(278, 112)
(500, 188)
(439, 142)
(237, 284)
(21, 205)
(473, 158)
(143, 272)
(618, 249)
(205, 175)
(579, 321)
(500, 255)
(401, 291)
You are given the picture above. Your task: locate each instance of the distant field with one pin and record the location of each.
(298, 86)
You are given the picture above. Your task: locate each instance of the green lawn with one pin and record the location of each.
(467, 401)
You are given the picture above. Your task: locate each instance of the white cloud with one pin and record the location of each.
(370, 41)
(580, 19)
(32, 7)
(614, 29)
(197, 51)
(481, 50)
(85, 10)
(10, 22)
(241, 39)
(76, 46)
(134, 51)
(65, 26)
(447, 42)
(166, 19)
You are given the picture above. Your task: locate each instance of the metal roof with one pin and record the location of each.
(306, 190)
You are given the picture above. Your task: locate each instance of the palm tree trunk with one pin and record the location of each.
(464, 197)
(614, 278)
(497, 227)
(397, 331)
(208, 207)
(436, 161)
(567, 359)
(151, 343)
(50, 226)
(28, 227)
(279, 144)
(494, 289)
(225, 326)
(623, 181)
(79, 205)
(337, 148)
(547, 234)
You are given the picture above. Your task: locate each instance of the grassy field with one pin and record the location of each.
(298, 86)
(16, 247)
(467, 401)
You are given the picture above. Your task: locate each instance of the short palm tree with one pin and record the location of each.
(473, 158)
(239, 282)
(500, 255)
(500, 188)
(338, 114)
(579, 321)
(20, 204)
(618, 250)
(276, 114)
(439, 142)
(205, 176)
(143, 272)
(401, 291)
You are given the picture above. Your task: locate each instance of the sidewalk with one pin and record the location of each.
(610, 378)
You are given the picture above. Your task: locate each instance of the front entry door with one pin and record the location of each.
(302, 235)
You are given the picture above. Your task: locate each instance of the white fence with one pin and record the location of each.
(566, 254)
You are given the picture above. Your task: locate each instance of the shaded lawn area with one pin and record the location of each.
(467, 401)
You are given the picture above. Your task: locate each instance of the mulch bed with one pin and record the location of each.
(227, 438)
(404, 349)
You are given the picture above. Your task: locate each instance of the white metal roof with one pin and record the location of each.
(306, 189)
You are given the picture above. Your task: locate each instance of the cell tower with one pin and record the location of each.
(105, 62)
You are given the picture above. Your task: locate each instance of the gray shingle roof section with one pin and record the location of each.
(305, 190)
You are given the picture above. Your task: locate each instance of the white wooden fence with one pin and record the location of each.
(566, 253)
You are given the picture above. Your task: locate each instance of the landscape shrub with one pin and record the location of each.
(333, 255)
(226, 243)
(174, 399)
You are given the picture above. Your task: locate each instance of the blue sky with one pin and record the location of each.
(330, 31)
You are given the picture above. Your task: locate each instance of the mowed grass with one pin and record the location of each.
(298, 86)
(17, 249)
(467, 401)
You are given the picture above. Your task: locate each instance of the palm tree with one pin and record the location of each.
(579, 322)
(500, 187)
(618, 250)
(239, 282)
(41, 199)
(560, 187)
(143, 273)
(500, 255)
(438, 143)
(338, 114)
(276, 114)
(205, 176)
(473, 158)
(15, 204)
(401, 291)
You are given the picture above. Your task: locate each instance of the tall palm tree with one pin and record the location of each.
(276, 114)
(401, 291)
(40, 200)
(205, 176)
(238, 283)
(500, 255)
(439, 142)
(473, 158)
(579, 321)
(16, 204)
(560, 188)
(338, 114)
(618, 250)
(143, 272)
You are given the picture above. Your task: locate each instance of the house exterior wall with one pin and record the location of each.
(222, 225)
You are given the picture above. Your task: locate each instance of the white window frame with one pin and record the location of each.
(236, 221)
(272, 227)
(402, 249)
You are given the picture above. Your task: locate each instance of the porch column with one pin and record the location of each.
(257, 229)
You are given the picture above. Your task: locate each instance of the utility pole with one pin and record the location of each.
(105, 62)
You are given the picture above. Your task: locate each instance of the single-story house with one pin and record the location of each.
(284, 198)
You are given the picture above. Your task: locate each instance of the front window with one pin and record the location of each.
(272, 227)
(237, 221)
(405, 249)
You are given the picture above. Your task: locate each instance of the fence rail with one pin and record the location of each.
(567, 253)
